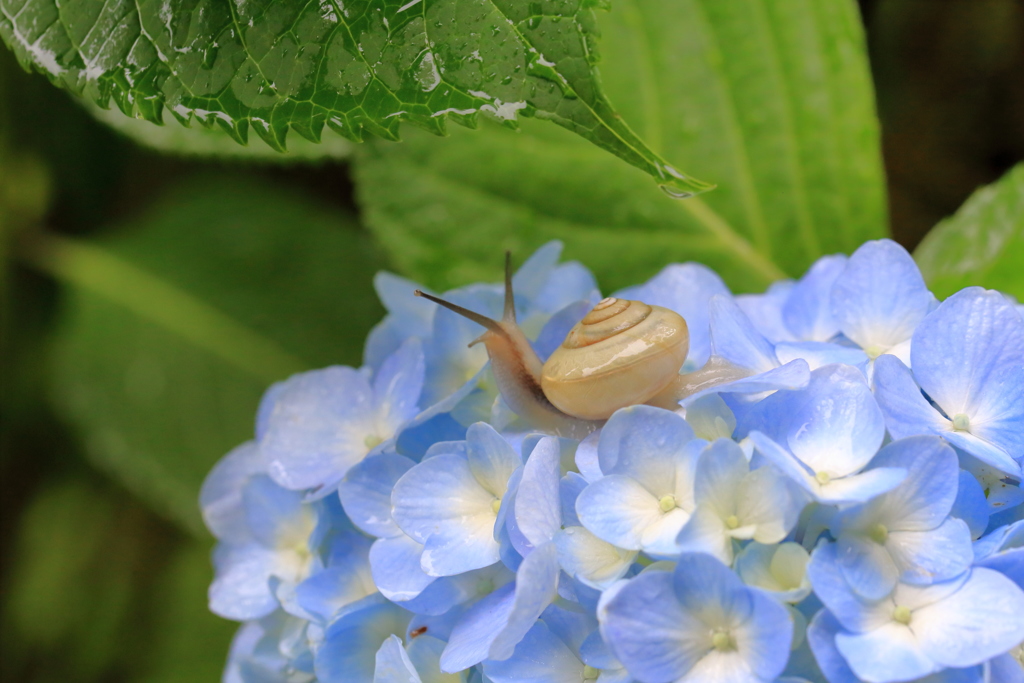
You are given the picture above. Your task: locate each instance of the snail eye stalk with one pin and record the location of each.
(509, 315)
(483, 320)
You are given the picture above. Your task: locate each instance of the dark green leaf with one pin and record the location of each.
(189, 643)
(771, 99)
(99, 588)
(175, 328)
(982, 244)
(200, 141)
(355, 66)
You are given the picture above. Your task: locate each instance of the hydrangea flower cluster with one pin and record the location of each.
(847, 508)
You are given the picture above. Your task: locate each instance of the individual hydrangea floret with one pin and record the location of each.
(829, 493)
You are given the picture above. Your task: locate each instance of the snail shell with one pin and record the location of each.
(621, 354)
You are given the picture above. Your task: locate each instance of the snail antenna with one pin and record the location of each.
(510, 300)
(491, 325)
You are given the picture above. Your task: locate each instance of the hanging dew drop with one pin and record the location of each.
(675, 193)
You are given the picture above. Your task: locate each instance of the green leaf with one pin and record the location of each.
(357, 66)
(99, 588)
(189, 643)
(73, 582)
(771, 99)
(173, 329)
(982, 244)
(200, 141)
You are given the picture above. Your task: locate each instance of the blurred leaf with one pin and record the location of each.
(357, 66)
(73, 582)
(772, 100)
(189, 643)
(99, 588)
(982, 244)
(199, 141)
(173, 330)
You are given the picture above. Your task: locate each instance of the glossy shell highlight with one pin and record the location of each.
(622, 353)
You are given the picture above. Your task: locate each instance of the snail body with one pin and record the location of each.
(621, 353)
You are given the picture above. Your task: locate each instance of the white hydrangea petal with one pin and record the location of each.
(983, 619)
(587, 558)
(888, 653)
(617, 509)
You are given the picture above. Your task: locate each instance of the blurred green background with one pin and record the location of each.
(104, 562)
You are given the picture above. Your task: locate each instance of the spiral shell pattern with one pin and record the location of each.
(622, 353)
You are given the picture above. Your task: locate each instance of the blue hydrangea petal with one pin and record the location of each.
(720, 470)
(970, 504)
(968, 355)
(763, 641)
(571, 625)
(392, 663)
(793, 375)
(540, 657)
(221, 495)
(711, 418)
(348, 651)
(687, 289)
(780, 570)
(807, 312)
(787, 463)
(880, 312)
(558, 325)
(857, 488)
(1009, 562)
(818, 354)
(867, 566)
(768, 502)
(926, 496)
(834, 425)
(981, 620)
(413, 314)
(650, 632)
(765, 311)
(1005, 669)
(644, 443)
(727, 667)
(569, 489)
(319, 427)
(491, 459)
(907, 411)
(711, 591)
(395, 563)
(450, 364)
(346, 580)
(425, 654)
(537, 504)
(734, 338)
(588, 559)
(565, 284)
(888, 653)
(366, 493)
(397, 386)
(705, 532)
(618, 509)
(492, 628)
(442, 505)
(241, 587)
(594, 651)
(821, 634)
(276, 517)
(934, 555)
(983, 450)
(855, 614)
(531, 277)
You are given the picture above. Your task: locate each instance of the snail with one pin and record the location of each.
(621, 353)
